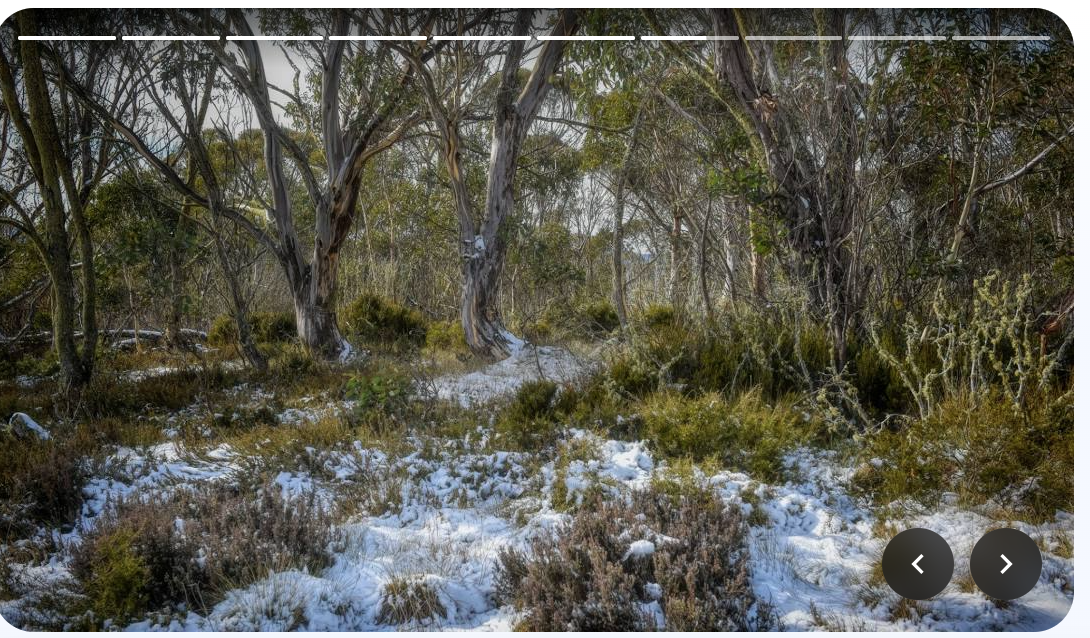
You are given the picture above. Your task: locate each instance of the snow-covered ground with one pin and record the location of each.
(812, 552)
(504, 377)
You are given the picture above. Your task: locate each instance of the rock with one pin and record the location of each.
(22, 426)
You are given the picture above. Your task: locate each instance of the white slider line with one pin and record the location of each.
(53, 38)
(480, 37)
(910, 38)
(377, 37)
(794, 37)
(252, 38)
(586, 37)
(674, 38)
(180, 38)
(1003, 37)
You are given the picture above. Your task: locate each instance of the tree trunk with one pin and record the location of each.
(756, 261)
(483, 251)
(314, 298)
(618, 255)
(47, 157)
(619, 293)
(482, 322)
(240, 311)
(677, 288)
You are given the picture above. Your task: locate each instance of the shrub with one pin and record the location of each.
(689, 554)
(266, 327)
(385, 390)
(745, 434)
(223, 332)
(540, 330)
(409, 600)
(631, 376)
(118, 580)
(446, 336)
(658, 316)
(528, 421)
(599, 318)
(40, 482)
(194, 546)
(379, 320)
(981, 448)
(273, 327)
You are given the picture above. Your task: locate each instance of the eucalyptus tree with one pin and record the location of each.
(517, 98)
(52, 163)
(351, 132)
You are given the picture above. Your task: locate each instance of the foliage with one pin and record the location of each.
(530, 419)
(41, 482)
(384, 390)
(266, 327)
(377, 319)
(980, 447)
(745, 434)
(599, 318)
(590, 576)
(446, 336)
(195, 545)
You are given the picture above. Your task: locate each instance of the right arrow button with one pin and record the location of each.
(1006, 547)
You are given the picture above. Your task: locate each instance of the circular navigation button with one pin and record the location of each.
(1005, 564)
(918, 564)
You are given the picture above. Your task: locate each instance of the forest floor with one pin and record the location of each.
(440, 507)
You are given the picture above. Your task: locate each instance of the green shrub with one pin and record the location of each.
(586, 576)
(273, 327)
(981, 448)
(745, 434)
(266, 327)
(659, 316)
(223, 332)
(446, 336)
(599, 318)
(376, 319)
(529, 420)
(632, 377)
(540, 330)
(117, 581)
(385, 390)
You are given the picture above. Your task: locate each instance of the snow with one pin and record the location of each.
(20, 419)
(526, 363)
(639, 549)
(135, 376)
(447, 510)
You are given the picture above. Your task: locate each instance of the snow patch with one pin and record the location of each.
(526, 363)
